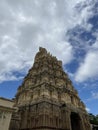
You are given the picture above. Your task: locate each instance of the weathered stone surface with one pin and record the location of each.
(6, 109)
(47, 99)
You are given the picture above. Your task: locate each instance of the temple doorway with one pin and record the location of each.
(75, 121)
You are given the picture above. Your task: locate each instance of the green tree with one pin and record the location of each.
(93, 119)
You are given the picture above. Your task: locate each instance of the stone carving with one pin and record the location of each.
(47, 99)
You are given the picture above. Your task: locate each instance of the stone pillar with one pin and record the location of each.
(85, 122)
(66, 123)
(82, 122)
(24, 119)
(44, 120)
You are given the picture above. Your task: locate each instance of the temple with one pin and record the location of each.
(47, 100)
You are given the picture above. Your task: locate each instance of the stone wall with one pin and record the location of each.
(6, 109)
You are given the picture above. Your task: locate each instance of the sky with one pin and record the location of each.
(68, 29)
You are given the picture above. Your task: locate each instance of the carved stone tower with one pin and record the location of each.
(47, 100)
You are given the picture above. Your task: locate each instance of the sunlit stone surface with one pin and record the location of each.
(47, 100)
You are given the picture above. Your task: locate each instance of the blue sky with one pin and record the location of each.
(68, 29)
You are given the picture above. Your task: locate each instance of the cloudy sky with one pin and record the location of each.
(66, 28)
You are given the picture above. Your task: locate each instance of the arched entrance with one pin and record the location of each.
(75, 121)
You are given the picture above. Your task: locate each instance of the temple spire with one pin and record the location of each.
(47, 98)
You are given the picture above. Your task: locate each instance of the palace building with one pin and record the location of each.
(6, 109)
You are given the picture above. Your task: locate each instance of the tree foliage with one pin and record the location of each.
(93, 119)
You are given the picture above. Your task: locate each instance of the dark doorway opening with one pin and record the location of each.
(75, 121)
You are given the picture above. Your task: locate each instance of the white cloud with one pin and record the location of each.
(26, 25)
(88, 69)
(95, 95)
(88, 109)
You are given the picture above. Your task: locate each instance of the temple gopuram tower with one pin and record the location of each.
(47, 100)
